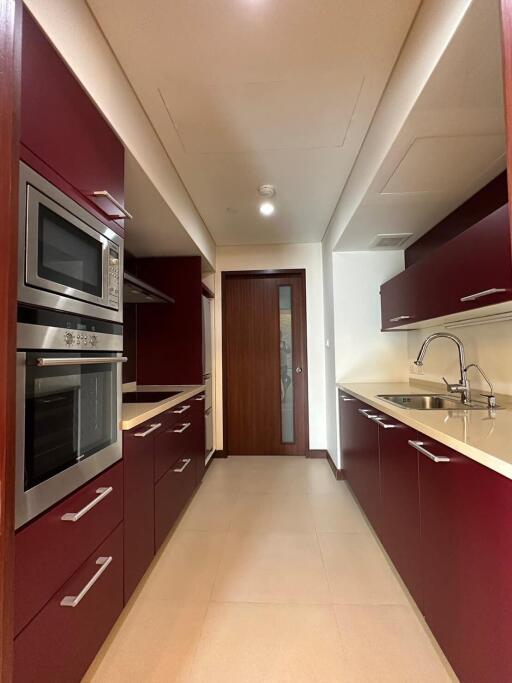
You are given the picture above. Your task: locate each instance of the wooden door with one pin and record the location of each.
(264, 363)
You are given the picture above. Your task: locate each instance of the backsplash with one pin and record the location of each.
(489, 345)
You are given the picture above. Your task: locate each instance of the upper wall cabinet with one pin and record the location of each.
(63, 134)
(472, 271)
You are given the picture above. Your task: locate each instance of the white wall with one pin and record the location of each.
(74, 32)
(286, 256)
(364, 353)
(488, 344)
(331, 403)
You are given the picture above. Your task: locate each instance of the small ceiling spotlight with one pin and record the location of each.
(266, 209)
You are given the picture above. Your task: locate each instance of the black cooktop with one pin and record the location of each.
(147, 396)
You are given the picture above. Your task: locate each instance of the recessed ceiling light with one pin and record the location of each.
(266, 209)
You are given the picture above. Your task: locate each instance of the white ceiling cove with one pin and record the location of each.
(452, 143)
(246, 92)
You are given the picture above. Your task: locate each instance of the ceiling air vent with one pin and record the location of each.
(390, 241)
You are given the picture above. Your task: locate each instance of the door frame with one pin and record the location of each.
(228, 274)
(10, 83)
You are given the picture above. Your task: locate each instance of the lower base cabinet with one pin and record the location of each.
(172, 492)
(445, 521)
(62, 640)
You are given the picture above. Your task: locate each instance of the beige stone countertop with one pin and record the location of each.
(134, 414)
(474, 433)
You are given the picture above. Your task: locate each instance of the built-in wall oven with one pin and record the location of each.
(68, 260)
(68, 405)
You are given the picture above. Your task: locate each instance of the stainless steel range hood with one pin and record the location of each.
(137, 291)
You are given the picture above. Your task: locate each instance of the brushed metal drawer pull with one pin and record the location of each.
(105, 193)
(346, 398)
(420, 446)
(379, 420)
(103, 492)
(181, 410)
(479, 295)
(184, 428)
(199, 398)
(400, 317)
(365, 411)
(187, 462)
(50, 362)
(74, 600)
(148, 431)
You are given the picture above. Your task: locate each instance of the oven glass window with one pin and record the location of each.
(67, 255)
(70, 413)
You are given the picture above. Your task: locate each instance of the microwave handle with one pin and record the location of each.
(49, 362)
(105, 193)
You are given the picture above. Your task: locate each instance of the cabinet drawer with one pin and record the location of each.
(171, 495)
(60, 643)
(172, 444)
(50, 549)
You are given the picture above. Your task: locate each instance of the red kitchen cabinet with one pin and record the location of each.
(50, 549)
(466, 517)
(172, 493)
(470, 271)
(360, 448)
(400, 503)
(61, 641)
(173, 440)
(139, 505)
(63, 134)
(198, 436)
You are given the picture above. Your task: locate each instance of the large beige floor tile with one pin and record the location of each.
(273, 512)
(268, 644)
(337, 511)
(358, 570)
(154, 643)
(272, 568)
(388, 644)
(210, 511)
(186, 568)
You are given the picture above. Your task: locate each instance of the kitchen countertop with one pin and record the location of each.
(485, 439)
(134, 414)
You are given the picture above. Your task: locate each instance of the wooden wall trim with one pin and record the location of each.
(10, 79)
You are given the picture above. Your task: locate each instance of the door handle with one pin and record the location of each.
(73, 600)
(182, 429)
(178, 411)
(298, 370)
(152, 428)
(186, 463)
(418, 445)
(479, 295)
(102, 492)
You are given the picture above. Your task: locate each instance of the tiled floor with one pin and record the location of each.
(271, 576)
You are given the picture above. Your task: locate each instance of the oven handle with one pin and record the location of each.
(48, 362)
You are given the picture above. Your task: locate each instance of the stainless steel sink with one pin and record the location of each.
(431, 402)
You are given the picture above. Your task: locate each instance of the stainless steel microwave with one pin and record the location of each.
(68, 260)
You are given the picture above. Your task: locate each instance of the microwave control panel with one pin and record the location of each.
(113, 277)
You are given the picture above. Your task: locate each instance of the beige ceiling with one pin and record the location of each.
(452, 143)
(246, 92)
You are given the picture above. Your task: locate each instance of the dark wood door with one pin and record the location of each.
(265, 364)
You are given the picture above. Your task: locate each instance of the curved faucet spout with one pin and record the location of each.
(463, 386)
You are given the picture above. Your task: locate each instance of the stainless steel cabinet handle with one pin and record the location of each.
(364, 411)
(49, 362)
(419, 446)
(105, 193)
(479, 295)
(346, 398)
(208, 411)
(74, 600)
(379, 420)
(148, 431)
(103, 492)
(199, 398)
(178, 411)
(184, 427)
(186, 462)
(400, 317)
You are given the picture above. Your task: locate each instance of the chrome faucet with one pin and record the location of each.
(462, 387)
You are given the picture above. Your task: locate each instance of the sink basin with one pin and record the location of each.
(431, 402)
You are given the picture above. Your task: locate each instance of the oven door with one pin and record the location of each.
(68, 424)
(63, 254)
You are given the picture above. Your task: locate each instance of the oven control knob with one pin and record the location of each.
(69, 338)
(93, 340)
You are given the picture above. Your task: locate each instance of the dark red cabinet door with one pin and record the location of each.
(400, 503)
(172, 492)
(198, 436)
(398, 300)
(139, 507)
(61, 642)
(360, 448)
(172, 443)
(466, 522)
(62, 127)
